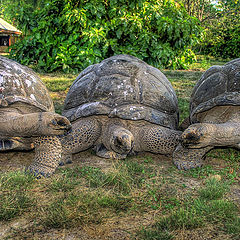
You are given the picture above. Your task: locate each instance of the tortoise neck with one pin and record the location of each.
(225, 134)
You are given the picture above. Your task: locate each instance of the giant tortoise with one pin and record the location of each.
(214, 115)
(27, 117)
(121, 106)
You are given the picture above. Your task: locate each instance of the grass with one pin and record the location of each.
(13, 204)
(14, 199)
(142, 197)
(214, 189)
(208, 208)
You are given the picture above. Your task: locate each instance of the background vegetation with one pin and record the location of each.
(70, 35)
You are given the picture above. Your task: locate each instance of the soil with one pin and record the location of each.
(119, 228)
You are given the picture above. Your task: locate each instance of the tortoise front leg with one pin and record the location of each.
(157, 139)
(83, 135)
(187, 158)
(48, 153)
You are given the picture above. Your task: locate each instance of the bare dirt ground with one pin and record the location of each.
(119, 227)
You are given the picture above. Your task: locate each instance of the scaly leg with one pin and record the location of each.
(83, 135)
(48, 152)
(187, 158)
(157, 139)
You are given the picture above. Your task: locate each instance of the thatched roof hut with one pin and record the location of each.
(8, 35)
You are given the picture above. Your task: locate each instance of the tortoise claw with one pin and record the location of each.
(186, 159)
(38, 173)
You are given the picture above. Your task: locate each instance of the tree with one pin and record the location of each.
(72, 34)
(19, 12)
(198, 8)
(222, 34)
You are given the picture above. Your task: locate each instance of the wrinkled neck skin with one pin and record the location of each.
(225, 134)
(20, 125)
(15, 124)
(12, 123)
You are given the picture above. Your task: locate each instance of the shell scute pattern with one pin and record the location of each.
(20, 84)
(218, 86)
(125, 87)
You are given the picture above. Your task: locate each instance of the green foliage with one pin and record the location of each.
(232, 226)
(197, 213)
(13, 204)
(70, 35)
(186, 218)
(21, 13)
(216, 210)
(59, 85)
(221, 37)
(81, 207)
(149, 234)
(62, 184)
(16, 180)
(120, 179)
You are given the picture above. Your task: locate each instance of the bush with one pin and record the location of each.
(71, 35)
(221, 37)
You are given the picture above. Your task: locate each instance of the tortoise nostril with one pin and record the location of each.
(54, 122)
(191, 137)
(117, 141)
(62, 123)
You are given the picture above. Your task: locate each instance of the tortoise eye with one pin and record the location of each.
(54, 122)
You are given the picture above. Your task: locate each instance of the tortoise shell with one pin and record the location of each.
(218, 86)
(20, 84)
(123, 86)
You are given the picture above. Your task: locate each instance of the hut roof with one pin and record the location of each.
(6, 27)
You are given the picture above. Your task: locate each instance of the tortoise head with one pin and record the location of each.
(121, 141)
(197, 135)
(52, 124)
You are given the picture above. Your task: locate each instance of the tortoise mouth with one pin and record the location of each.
(6, 144)
(191, 142)
(60, 124)
(15, 143)
(191, 145)
(121, 146)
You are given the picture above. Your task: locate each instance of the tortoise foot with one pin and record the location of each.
(185, 158)
(39, 172)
